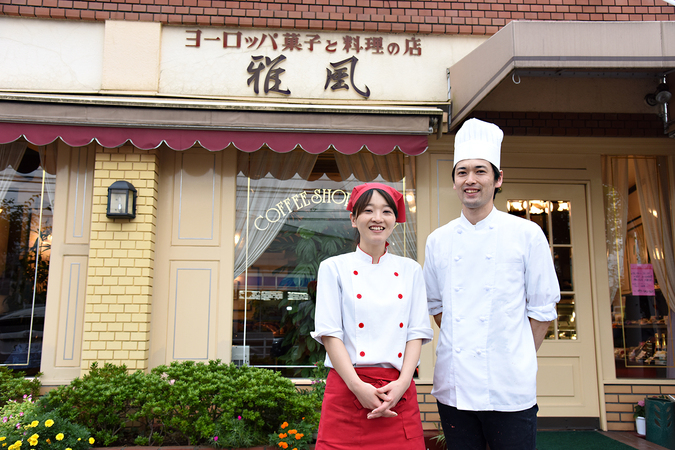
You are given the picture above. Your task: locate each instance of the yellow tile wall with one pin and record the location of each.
(121, 263)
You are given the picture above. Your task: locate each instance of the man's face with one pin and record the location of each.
(475, 183)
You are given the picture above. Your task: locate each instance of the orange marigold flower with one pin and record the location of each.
(283, 445)
(282, 435)
(292, 431)
(284, 425)
(299, 436)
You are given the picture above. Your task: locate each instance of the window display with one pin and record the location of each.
(640, 258)
(291, 216)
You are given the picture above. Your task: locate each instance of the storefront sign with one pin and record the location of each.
(294, 64)
(339, 74)
(642, 279)
(299, 201)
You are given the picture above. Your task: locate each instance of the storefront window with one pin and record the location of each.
(554, 219)
(291, 216)
(26, 205)
(641, 266)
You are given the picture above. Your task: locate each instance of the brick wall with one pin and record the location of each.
(620, 399)
(575, 124)
(479, 17)
(121, 257)
(428, 408)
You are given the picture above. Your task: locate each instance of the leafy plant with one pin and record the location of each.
(14, 385)
(101, 400)
(235, 432)
(308, 246)
(639, 409)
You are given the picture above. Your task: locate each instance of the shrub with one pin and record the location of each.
(14, 385)
(101, 400)
(183, 403)
(293, 436)
(28, 425)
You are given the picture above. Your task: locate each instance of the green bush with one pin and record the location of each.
(29, 425)
(14, 385)
(183, 403)
(101, 400)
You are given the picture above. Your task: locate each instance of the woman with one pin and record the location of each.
(371, 316)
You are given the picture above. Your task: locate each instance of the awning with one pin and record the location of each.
(560, 49)
(181, 124)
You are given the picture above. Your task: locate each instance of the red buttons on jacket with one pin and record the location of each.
(362, 354)
(395, 274)
(356, 272)
(358, 295)
(361, 325)
(400, 295)
(400, 324)
(400, 354)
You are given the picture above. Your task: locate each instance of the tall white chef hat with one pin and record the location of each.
(478, 140)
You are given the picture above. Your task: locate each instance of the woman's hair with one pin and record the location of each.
(363, 201)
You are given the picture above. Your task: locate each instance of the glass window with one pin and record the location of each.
(553, 216)
(26, 205)
(291, 216)
(640, 263)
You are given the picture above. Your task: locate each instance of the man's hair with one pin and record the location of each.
(495, 172)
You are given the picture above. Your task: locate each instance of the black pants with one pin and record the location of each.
(472, 430)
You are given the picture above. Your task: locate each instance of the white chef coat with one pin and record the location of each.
(487, 279)
(375, 309)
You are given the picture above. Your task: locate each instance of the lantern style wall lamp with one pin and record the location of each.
(121, 200)
(660, 98)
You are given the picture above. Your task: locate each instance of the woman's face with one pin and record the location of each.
(375, 223)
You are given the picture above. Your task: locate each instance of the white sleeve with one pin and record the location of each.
(419, 325)
(328, 314)
(541, 283)
(434, 298)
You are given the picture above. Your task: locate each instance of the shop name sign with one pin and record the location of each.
(268, 71)
(299, 201)
(283, 64)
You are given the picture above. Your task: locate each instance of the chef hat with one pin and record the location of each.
(395, 195)
(478, 140)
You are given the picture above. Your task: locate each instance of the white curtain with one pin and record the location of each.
(388, 169)
(48, 163)
(655, 221)
(10, 157)
(264, 168)
(615, 177)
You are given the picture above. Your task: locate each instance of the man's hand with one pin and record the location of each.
(437, 319)
(539, 330)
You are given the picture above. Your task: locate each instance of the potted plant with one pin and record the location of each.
(639, 415)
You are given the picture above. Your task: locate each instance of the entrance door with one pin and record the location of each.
(567, 382)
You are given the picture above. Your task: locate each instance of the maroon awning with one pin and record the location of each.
(148, 123)
(182, 139)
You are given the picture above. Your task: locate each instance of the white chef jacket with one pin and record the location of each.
(487, 279)
(375, 309)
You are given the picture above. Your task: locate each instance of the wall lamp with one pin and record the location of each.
(660, 98)
(121, 200)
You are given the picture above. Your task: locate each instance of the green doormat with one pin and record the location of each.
(577, 440)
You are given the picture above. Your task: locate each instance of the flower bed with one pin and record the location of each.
(185, 404)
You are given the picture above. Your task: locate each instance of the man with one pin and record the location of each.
(492, 289)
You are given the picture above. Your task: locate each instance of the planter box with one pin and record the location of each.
(660, 418)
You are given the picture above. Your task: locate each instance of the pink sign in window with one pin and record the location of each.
(642, 279)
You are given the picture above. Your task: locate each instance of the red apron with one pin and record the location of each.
(344, 425)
